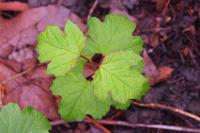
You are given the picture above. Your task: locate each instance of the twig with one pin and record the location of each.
(92, 8)
(13, 6)
(169, 108)
(16, 76)
(153, 126)
(2, 89)
(2, 93)
(136, 125)
(87, 120)
(98, 125)
(115, 115)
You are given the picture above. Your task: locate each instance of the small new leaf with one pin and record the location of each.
(114, 34)
(116, 77)
(13, 120)
(61, 49)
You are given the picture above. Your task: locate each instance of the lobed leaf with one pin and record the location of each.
(116, 77)
(78, 97)
(61, 49)
(114, 34)
(13, 120)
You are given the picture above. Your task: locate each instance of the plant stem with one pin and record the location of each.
(84, 57)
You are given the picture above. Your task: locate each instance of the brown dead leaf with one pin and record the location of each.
(150, 68)
(5, 50)
(58, 16)
(25, 91)
(22, 54)
(190, 29)
(14, 65)
(161, 5)
(185, 51)
(165, 73)
(12, 27)
(154, 40)
(23, 29)
(89, 69)
(119, 8)
(39, 77)
(155, 74)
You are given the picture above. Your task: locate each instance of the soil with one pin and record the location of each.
(171, 39)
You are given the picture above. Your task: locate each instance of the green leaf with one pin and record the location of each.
(61, 49)
(114, 34)
(117, 78)
(138, 44)
(13, 120)
(122, 106)
(78, 97)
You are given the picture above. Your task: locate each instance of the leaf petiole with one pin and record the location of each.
(86, 58)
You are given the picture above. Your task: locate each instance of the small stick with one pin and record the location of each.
(169, 108)
(13, 6)
(98, 125)
(136, 125)
(92, 8)
(115, 115)
(2, 89)
(153, 126)
(16, 76)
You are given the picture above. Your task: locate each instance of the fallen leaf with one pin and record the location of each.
(155, 74)
(161, 5)
(13, 27)
(25, 92)
(154, 40)
(22, 54)
(23, 29)
(5, 50)
(185, 51)
(58, 16)
(150, 68)
(39, 77)
(190, 29)
(165, 73)
(14, 65)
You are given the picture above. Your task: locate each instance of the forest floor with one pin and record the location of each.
(171, 33)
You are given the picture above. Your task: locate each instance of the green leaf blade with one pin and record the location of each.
(61, 49)
(114, 34)
(78, 97)
(116, 77)
(13, 120)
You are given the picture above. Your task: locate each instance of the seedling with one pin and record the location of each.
(95, 71)
(111, 51)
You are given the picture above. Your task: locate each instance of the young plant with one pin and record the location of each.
(92, 72)
(117, 76)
